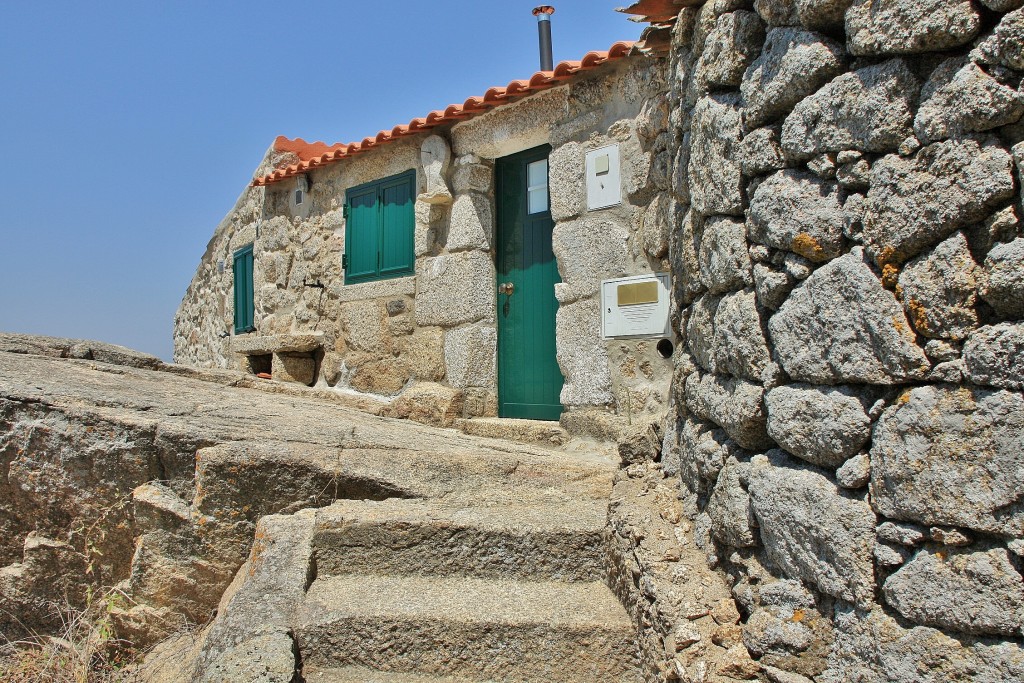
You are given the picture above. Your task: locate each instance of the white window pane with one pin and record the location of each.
(538, 199)
(537, 186)
(537, 173)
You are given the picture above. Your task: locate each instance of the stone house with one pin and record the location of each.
(453, 266)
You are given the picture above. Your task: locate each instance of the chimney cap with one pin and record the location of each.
(543, 9)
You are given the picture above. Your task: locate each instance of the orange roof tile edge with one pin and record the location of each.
(658, 11)
(316, 154)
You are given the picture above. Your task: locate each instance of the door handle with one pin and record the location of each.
(506, 288)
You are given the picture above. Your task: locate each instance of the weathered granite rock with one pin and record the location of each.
(792, 66)
(1002, 282)
(704, 450)
(723, 259)
(887, 27)
(902, 534)
(970, 592)
(811, 530)
(874, 647)
(455, 288)
(855, 473)
(855, 175)
(1001, 226)
(589, 250)
(761, 151)
(841, 326)
(582, 356)
(994, 356)
(565, 171)
(288, 367)
(471, 223)
(427, 403)
(821, 426)
(435, 158)
(423, 353)
(725, 335)
(729, 49)
(1005, 45)
(1002, 5)
(715, 173)
(733, 404)
(684, 240)
(946, 455)
(59, 347)
(471, 174)
(940, 289)
(469, 356)
(654, 233)
(729, 507)
(919, 201)
(869, 109)
(959, 97)
(825, 15)
(773, 286)
(798, 212)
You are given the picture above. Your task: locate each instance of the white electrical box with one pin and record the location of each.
(635, 306)
(604, 184)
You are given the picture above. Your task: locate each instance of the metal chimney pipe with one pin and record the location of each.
(543, 14)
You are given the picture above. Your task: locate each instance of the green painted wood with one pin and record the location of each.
(529, 379)
(379, 229)
(245, 313)
(361, 235)
(397, 226)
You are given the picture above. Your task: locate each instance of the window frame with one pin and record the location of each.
(379, 186)
(245, 303)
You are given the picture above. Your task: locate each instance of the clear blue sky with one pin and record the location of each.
(130, 128)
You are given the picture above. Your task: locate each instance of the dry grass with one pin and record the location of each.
(86, 649)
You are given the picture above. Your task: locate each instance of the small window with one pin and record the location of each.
(379, 229)
(537, 186)
(245, 309)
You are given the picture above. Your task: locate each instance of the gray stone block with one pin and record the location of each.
(959, 97)
(970, 592)
(454, 289)
(715, 173)
(888, 27)
(940, 290)
(916, 202)
(946, 455)
(869, 110)
(793, 65)
(811, 531)
(994, 356)
(798, 212)
(840, 326)
(820, 425)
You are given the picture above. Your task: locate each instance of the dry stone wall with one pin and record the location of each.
(848, 262)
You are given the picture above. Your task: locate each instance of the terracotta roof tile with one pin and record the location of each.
(316, 154)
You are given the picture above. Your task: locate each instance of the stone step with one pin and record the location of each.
(405, 537)
(502, 630)
(539, 432)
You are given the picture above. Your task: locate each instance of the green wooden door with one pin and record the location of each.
(529, 379)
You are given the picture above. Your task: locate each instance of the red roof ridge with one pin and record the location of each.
(315, 154)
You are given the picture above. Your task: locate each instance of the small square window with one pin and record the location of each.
(537, 186)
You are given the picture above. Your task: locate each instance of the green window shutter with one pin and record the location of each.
(379, 229)
(361, 235)
(397, 225)
(245, 312)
